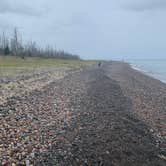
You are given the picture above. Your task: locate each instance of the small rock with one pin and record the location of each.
(29, 149)
(151, 130)
(162, 157)
(32, 155)
(107, 152)
(27, 163)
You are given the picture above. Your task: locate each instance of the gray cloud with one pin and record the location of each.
(145, 5)
(11, 7)
(93, 29)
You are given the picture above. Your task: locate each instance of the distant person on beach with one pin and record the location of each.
(99, 64)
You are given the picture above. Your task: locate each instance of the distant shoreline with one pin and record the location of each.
(146, 72)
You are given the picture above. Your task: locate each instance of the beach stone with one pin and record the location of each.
(107, 152)
(27, 163)
(162, 157)
(90, 99)
(151, 130)
(37, 152)
(29, 148)
(32, 155)
(23, 153)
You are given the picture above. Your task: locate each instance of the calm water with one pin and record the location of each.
(155, 68)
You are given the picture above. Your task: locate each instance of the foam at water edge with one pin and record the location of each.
(136, 67)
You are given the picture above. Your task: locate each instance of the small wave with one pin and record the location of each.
(149, 73)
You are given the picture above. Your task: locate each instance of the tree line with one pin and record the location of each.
(14, 46)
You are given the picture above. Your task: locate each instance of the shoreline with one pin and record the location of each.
(146, 93)
(146, 72)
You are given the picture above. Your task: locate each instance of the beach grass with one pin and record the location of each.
(11, 64)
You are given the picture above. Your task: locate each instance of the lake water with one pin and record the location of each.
(155, 68)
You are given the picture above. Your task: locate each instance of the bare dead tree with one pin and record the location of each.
(17, 48)
(14, 42)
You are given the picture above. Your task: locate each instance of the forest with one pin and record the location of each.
(14, 46)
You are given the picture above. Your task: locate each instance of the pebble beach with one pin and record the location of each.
(108, 115)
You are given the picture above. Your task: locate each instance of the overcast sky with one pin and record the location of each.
(103, 29)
